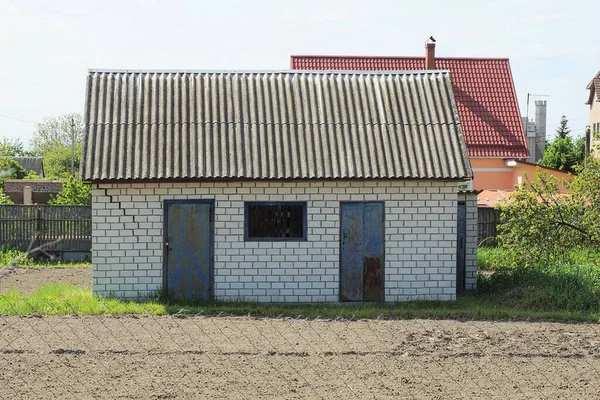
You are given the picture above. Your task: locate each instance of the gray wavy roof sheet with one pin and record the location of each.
(31, 164)
(148, 125)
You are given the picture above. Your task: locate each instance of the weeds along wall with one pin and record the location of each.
(420, 239)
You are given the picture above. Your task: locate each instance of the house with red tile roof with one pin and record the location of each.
(486, 99)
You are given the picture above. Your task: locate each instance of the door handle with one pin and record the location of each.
(167, 246)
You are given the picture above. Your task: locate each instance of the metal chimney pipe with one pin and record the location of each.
(540, 128)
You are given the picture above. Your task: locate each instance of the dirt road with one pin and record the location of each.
(235, 357)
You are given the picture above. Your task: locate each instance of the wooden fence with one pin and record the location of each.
(49, 228)
(488, 221)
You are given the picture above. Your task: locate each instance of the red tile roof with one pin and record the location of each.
(484, 91)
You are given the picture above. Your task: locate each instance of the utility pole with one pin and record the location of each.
(72, 147)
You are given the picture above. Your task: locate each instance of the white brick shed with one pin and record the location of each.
(275, 186)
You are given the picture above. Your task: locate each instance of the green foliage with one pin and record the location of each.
(18, 258)
(14, 257)
(57, 161)
(56, 132)
(74, 192)
(10, 169)
(52, 140)
(563, 153)
(541, 223)
(563, 127)
(12, 147)
(32, 175)
(4, 199)
(492, 259)
(557, 285)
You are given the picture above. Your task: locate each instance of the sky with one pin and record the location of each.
(46, 47)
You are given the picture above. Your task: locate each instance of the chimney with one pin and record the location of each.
(540, 128)
(430, 53)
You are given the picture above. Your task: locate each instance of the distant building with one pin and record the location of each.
(594, 103)
(31, 191)
(485, 96)
(35, 164)
(536, 132)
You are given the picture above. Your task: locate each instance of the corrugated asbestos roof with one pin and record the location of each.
(483, 87)
(271, 125)
(31, 164)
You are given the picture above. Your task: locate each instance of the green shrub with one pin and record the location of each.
(14, 257)
(10, 169)
(492, 259)
(543, 222)
(4, 199)
(74, 192)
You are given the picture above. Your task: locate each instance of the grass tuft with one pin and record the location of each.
(64, 299)
(23, 259)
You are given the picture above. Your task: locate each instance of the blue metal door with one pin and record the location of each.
(361, 252)
(189, 250)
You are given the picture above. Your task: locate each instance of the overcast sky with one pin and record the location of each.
(46, 47)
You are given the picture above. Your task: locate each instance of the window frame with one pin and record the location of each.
(304, 204)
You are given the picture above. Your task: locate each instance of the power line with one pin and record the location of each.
(17, 119)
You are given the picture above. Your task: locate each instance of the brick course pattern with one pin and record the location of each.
(420, 239)
(470, 198)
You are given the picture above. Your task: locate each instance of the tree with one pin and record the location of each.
(52, 140)
(563, 128)
(74, 192)
(10, 169)
(562, 153)
(56, 132)
(12, 147)
(57, 162)
(543, 223)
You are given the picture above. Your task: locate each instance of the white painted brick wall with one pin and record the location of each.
(470, 199)
(420, 239)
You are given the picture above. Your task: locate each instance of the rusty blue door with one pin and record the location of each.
(361, 251)
(189, 250)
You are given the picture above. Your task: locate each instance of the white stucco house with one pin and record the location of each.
(291, 186)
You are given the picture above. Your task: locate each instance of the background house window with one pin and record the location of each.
(275, 221)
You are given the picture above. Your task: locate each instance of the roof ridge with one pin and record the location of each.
(399, 57)
(259, 71)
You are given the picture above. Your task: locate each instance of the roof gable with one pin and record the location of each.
(594, 88)
(483, 87)
(271, 125)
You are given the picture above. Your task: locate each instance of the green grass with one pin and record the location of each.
(561, 290)
(64, 299)
(490, 259)
(22, 259)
